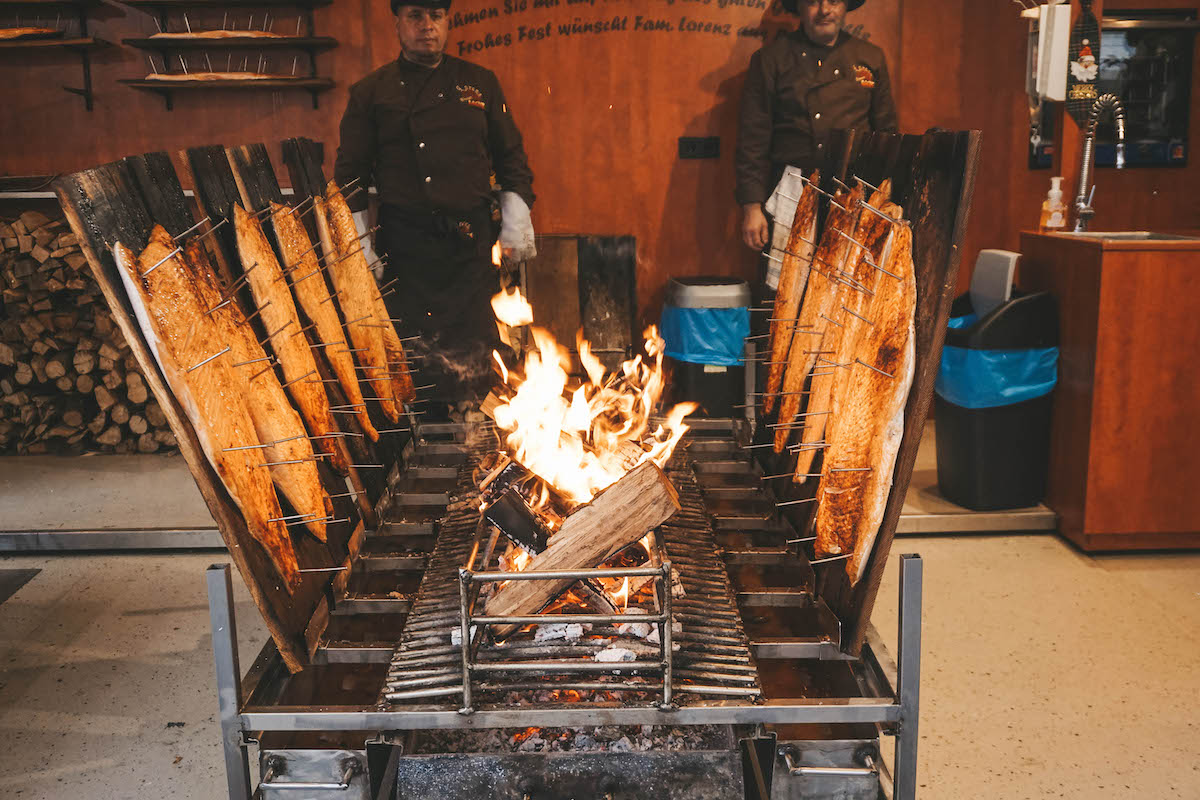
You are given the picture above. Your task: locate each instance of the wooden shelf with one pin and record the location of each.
(229, 4)
(167, 88)
(78, 43)
(48, 3)
(313, 44)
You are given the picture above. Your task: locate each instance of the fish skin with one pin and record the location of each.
(291, 348)
(838, 342)
(275, 419)
(171, 316)
(869, 424)
(793, 277)
(313, 295)
(832, 253)
(353, 295)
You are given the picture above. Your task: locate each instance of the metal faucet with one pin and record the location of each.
(1083, 201)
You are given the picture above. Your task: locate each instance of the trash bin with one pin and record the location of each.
(705, 322)
(992, 402)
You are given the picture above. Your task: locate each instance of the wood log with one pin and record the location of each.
(135, 388)
(137, 424)
(112, 379)
(84, 361)
(119, 413)
(84, 384)
(66, 383)
(614, 519)
(56, 366)
(110, 437)
(155, 415)
(104, 398)
(98, 422)
(146, 443)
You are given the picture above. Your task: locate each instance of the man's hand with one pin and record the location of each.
(516, 230)
(755, 231)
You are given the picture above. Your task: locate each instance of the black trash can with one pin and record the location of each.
(705, 322)
(992, 403)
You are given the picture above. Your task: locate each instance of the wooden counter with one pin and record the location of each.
(1125, 450)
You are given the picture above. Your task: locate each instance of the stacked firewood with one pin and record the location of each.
(68, 381)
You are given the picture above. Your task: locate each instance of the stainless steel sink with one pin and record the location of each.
(1131, 236)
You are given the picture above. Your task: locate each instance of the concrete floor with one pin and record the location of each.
(1046, 673)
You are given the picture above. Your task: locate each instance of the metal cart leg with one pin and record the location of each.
(229, 687)
(908, 677)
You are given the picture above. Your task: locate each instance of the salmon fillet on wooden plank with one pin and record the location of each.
(287, 447)
(308, 284)
(866, 432)
(838, 341)
(172, 319)
(354, 289)
(286, 335)
(345, 235)
(793, 277)
(830, 258)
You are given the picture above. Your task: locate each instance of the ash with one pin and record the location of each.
(603, 739)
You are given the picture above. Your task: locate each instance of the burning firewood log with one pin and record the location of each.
(616, 518)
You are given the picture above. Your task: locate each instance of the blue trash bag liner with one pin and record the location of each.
(990, 378)
(706, 335)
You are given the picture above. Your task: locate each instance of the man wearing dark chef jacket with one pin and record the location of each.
(435, 135)
(800, 87)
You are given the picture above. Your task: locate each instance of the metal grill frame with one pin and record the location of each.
(888, 696)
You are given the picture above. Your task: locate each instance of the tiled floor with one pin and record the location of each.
(1046, 673)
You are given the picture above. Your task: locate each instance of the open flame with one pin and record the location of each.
(622, 596)
(511, 308)
(583, 438)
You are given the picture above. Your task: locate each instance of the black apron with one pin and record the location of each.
(445, 281)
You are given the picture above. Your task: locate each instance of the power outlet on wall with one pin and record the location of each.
(699, 146)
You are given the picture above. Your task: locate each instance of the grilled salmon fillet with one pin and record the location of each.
(172, 318)
(345, 238)
(865, 433)
(308, 284)
(355, 287)
(287, 447)
(286, 335)
(856, 285)
(793, 277)
(830, 258)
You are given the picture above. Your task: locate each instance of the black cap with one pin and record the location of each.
(442, 4)
(790, 5)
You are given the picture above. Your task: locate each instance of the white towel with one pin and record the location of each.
(781, 205)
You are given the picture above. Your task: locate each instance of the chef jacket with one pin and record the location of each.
(431, 139)
(796, 92)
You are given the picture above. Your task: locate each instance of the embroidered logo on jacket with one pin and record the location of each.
(864, 76)
(471, 96)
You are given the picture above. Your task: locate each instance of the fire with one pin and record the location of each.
(497, 252)
(511, 308)
(582, 439)
(622, 596)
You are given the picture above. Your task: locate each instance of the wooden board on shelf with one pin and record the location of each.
(104, 205)
(311, 43)
(75, 43)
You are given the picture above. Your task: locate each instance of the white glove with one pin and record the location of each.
(362, 225)
(516, 229)
(781, 205)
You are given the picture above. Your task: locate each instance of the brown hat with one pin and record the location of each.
(442, 4)
(790, 5)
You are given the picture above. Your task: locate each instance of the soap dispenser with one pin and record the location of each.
(1054, 210)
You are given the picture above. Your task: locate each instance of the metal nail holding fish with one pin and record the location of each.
(796, 502)
(189, 230)
(210, 358)
(163, 260)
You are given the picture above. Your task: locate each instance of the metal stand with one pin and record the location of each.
(229, 680)
(903, 688)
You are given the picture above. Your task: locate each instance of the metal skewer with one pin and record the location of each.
(194, 227)
(205, 361)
